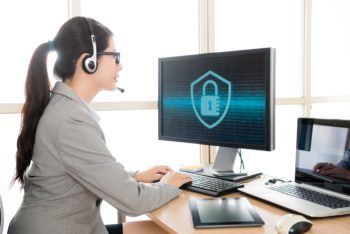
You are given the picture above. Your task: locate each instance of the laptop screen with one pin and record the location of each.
(323, 154)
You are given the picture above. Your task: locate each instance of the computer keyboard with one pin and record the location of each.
(210, 185)
(312, 196)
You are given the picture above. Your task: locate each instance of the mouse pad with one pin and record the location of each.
(223, 212)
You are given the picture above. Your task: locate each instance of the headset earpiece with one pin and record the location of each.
(90, 61)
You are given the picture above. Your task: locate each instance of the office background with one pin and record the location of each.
(312, 41)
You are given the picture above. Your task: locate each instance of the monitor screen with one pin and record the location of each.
(221, 99)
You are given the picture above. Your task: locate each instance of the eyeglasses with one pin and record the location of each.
(115, 54)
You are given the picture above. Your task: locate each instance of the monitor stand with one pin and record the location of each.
(223, 167)
(224, 161)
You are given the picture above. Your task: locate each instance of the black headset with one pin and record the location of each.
(90, 61)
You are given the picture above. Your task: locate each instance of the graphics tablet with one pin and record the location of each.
(223, 212)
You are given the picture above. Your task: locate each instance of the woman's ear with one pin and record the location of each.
(80, 60)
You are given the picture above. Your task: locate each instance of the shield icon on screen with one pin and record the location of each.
(211, 97)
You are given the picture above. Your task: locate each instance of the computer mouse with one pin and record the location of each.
(293, 223)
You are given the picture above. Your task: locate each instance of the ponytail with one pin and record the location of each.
(37, 95)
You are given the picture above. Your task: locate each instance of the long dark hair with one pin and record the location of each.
(72, 40)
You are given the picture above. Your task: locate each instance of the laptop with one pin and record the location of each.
(310, 193)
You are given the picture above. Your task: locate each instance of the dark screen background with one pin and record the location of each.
(246, 122)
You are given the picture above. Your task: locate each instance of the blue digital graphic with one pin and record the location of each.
(210, 108)
(210, 104)
(222, 99)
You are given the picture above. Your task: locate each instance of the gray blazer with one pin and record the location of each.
(72, 171)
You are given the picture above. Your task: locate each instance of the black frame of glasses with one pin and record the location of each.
(112, 53)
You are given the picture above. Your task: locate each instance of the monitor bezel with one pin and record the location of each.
(270, 98)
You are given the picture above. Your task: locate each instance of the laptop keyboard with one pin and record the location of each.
(312, 196)
(210, 185)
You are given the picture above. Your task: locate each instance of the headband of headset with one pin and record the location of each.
(90, 61)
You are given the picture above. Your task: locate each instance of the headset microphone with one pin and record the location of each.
(121, 89)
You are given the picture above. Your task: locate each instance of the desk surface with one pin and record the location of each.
(175, 217)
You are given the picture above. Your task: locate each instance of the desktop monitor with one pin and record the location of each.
(223, 99)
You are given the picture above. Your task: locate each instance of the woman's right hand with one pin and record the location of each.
(176, 179)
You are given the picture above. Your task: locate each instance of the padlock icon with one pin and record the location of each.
(210, 104)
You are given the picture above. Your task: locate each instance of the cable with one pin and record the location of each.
(241, 167)
(274, 180)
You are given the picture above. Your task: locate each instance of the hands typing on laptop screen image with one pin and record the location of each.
(341, 170)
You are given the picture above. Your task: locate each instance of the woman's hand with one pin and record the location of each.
(328, 169)
(176, 178)
(153, 174)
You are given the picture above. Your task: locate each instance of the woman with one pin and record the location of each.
(70, 170)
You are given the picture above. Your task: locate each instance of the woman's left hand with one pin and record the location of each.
(152, 174)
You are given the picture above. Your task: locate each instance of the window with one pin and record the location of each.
(331, 110)
(23, 29)
(142, 34)
(249, 24)
(330, 48)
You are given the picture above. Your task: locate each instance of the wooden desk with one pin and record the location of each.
(175, 217)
